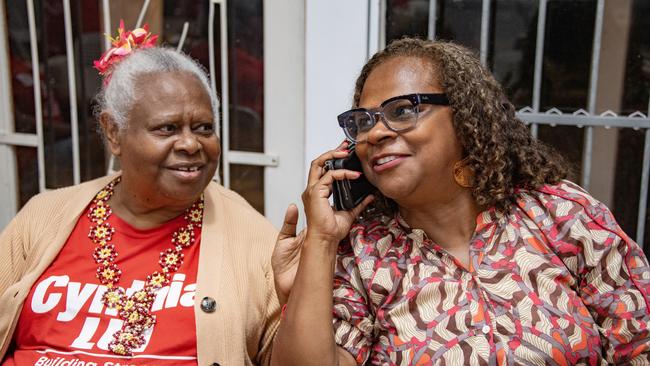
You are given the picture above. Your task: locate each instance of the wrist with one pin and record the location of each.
(320, 243)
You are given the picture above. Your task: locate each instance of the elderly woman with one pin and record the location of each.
(489, 257)
(156, 264)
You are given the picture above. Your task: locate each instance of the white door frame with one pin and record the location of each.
(284, 104)
(336, 50)
(8, 173)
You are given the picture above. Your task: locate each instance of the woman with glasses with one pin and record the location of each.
(488, 256)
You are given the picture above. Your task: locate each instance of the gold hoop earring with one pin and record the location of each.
(463, 174)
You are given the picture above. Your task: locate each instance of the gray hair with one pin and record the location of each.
(118, 96)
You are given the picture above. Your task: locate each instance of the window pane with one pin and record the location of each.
(512, 48)
(53, 69)
(245, 60)
(567, 54)
(27, 169)
(20, 66)
(406, 18)
(460, 21)
(248, 180)
(630, 142)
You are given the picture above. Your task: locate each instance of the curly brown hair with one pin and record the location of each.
(498, 146)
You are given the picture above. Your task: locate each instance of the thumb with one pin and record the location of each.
(288, 229)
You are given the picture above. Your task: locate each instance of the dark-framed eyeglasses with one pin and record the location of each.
(398, 114)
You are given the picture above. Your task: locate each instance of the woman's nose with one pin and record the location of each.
(379, 131)
(187, 142)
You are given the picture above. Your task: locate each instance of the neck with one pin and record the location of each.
(450, 224)
(141, 211)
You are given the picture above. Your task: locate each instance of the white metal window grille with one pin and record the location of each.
(10, 139)
(532, 115)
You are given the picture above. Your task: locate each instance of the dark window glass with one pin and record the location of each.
(460, 21)
(566, 71)
(512, 48)
(246, 76)
(245, 57)
(55, 96)
(630, 142)
(248, 180)
(567, 54)
(406, 18)
(27, 172)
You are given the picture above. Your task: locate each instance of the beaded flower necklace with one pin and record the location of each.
(134, 310)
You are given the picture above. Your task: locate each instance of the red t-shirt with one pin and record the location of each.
(64, 323)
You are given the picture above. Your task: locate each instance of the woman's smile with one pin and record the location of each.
(187, 172)
(384, 162)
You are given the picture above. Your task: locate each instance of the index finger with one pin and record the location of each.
(317, 170)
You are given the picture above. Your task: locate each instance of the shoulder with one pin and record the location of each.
(62, 201)
(567, 201)
(240, 220)
(575, 226)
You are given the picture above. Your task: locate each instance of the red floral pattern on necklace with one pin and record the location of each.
(134, 310)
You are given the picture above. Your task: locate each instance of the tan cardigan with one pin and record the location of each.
(234, 269)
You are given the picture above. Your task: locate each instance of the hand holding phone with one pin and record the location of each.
(348, 193)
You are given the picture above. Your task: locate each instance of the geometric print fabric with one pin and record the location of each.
(555, 281)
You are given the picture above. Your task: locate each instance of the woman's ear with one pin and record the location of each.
(111, 131)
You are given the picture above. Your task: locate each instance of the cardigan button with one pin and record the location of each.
(208, 305)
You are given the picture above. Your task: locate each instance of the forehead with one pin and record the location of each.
(169, 86)
(399, 76)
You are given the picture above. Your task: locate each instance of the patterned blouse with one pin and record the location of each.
(554, 282)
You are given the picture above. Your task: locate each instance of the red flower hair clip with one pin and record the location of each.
(123, 45)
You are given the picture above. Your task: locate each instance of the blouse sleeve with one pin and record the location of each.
(353, 320)
(616, 292)
(613, 275)
(612, 272)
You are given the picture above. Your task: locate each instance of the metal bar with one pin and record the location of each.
(643, 195)
(6, 109)
(181, 41)
(587, 150)
(582, 120)
(534, 130)
(433, 19)
(72, 90)
(485, 29)
(593, 90)
(9, 178)
(539, 54)
(106, 14)
(213, 69)
(225, 93)
(595, 57)
(143, 11)
(38, 109)
(382, 24)
(19, 139)
(252, 158)
(374, 19)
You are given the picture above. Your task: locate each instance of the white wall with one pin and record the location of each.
(284, 104)
(336, 48)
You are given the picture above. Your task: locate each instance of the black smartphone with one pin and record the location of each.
(348, 193)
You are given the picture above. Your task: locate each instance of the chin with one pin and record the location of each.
(395, 192)
(184, 193)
